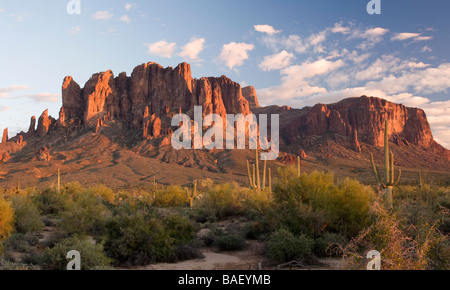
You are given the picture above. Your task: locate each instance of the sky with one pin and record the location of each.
(294, 52)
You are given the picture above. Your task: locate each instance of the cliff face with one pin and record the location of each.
(362, 120)
(145, 101)
(150, 87)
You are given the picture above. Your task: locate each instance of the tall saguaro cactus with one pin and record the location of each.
(390, 182)
(58, 186)
(254, 176)
(192, 194)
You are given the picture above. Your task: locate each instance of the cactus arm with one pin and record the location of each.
(391, 169)
(254, 177)
(374, 169)
(258, 184)
(249, 175)
(270, 184)
(263, 185)
(398, 178)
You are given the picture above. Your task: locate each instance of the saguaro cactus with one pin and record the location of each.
(390, 182)
(299, 172)
(192, 194)
(254, 176)
(58, 187)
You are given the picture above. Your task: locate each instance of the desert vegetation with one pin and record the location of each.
(302, 217)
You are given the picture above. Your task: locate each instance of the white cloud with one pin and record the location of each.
(2, 10)
(388, 64)
(426, 48)
(4, 108)
(125, 19)
(266, 29)
(277, 61)
(338, 28)
(75, 30)
(102, 15)
(426, 81)
(193, 48)
(372, 36)
(404, 36)
(128, 6)
(234, 54)
(318, 38)
(294, 81)
(423, 38)
(161, 48)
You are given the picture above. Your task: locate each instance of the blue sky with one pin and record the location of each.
(295, 53)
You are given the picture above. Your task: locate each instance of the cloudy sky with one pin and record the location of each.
(295, 53)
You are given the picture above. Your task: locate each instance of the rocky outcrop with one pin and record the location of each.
(44, 124)
(32, 128)
(249, 93)
(360, 120)
(150, 90)
(43, 154)
(72, 99)
(5, 136)
(4, 156)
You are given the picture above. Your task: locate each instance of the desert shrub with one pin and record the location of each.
(221, 201)
(49, 202)
(255, 202)
(6, 221)
(230, 242)
(26, 213)
(255, 230)
(71, 188)
(314, 203)
(187, 252)
(402, 246)
(329, 244)
(283, 246)
(21, 242)
(180, 229)
(106, 193)
(85, 214)
(136, 239)
(172, 196)
(92, 256)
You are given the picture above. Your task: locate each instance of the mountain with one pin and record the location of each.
(117, 130)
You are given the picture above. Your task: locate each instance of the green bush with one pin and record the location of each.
(180, 229)
(135, 239)
(230, 242)
(313, 203)
(329, 244)
(49, 202)
(283, 246)
(84, 215)
(21, 242)
(27, 217)
(221, 201)
(106, 193)
(172, 196)
(92, 256)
